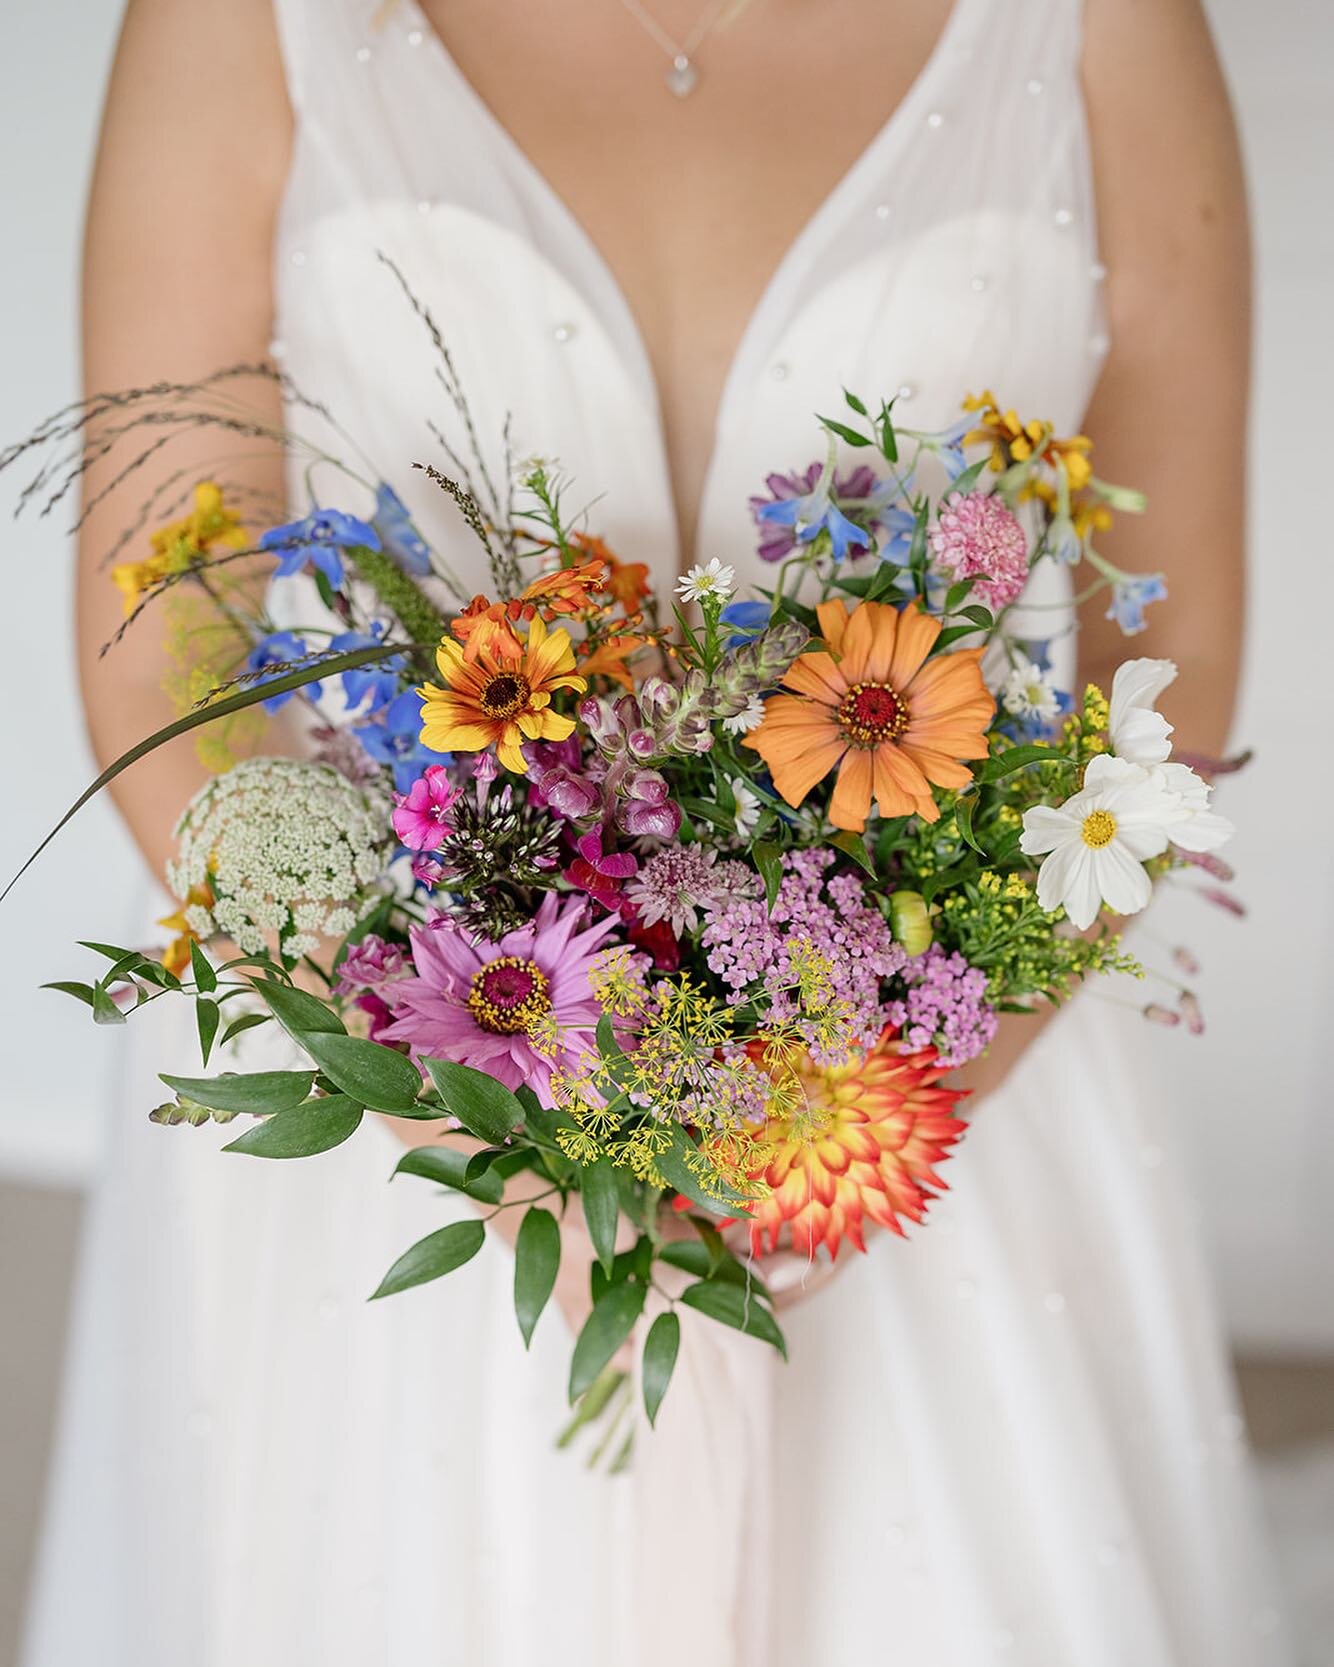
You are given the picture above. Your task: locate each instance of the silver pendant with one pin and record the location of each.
(682, 77)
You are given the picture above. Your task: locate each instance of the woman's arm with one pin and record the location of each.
(1169, 414)
(193, 154)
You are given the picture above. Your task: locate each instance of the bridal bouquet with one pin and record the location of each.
(685, 914)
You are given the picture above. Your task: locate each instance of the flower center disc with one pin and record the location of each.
(505, 695)
(1099, 829)
(509, 995)
(872, 712)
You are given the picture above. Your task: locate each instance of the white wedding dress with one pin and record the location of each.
(1011, 1439)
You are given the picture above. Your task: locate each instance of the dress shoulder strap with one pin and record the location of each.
(327, 46)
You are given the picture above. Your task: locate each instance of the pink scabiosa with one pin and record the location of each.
(517, 1009)
(421, 815)
(977, 536)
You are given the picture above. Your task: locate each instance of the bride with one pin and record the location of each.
(663, 236)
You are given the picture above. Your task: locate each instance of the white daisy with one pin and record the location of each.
(1030, 693)
(710, 583)
(751, 716)
(1142, 735)
(1096, 843)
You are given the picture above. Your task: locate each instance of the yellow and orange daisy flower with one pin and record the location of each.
(861, 1144)
(1013, 441)
(491, 701)
(891, 721)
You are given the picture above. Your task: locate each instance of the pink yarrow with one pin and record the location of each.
(977, 536)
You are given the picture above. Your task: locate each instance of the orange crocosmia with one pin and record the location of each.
(569, 590)
(892, 722)
(862, 1145)
(491, 701)
(607, 659)
(489, 627)
(627, 582)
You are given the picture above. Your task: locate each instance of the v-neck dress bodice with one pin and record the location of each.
(958, 251)
(1010, 1442)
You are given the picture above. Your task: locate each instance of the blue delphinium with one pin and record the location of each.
(397, 533)
(275, 654)
(317, 539)
(379, 680)
(747, 620)
(814, 513)
(393, 737)
(1131, 594)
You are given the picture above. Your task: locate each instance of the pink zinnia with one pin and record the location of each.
(977, 536)
(516, 1009)
(421, 815)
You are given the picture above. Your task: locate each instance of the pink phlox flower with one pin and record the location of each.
(421, 815)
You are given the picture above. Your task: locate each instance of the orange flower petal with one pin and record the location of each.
(916, 638)
(819, 676)
(851, 803)
(900, 786)
(833, 617)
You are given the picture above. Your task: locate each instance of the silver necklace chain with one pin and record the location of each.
(683, 76)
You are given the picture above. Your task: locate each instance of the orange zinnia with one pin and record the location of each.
(876, 708)
(862, 1143)
(500, 702)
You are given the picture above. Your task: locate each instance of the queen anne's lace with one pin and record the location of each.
(285, 846)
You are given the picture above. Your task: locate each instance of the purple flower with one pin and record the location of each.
(556, 779)
(316, 539)
(369, 964)
(421, 815)
(278, 650)
(400, 538)
(800, 508)
(678, 882)
(598, 872)
(645, 808)
(945, 1007)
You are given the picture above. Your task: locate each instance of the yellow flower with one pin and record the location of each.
(1013, 441)
(176, 956)
(500, 703)
(181, 543)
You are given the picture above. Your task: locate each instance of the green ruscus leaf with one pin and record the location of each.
(536, 1264)
(302, 1131)
(737, 1307)
(660, 1347)
(605, 1329)
(261, 1094)
(484, 1106)
(451, 1168)
(602, 1207)
(366, 1071)
(438, 1253)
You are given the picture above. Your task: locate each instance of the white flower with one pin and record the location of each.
(747, 809)
(751, 716)
(1096, 843)
(1030, 693)
(1137, 731)
(286, 846)
(1141, 734)
(711, 583)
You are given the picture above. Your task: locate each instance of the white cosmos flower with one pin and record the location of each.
(711, 583)
(1096, 843)
(1142, 734)
(1138, 732)
(1030, 693)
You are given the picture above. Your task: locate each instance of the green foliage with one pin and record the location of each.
(484, 1106)
(368, 1072)
(437, 1254)
(735, 1306)
(450, 1167)
(660, 1350)
(605, 1329)
(302, 1131)
(262, 1093)
(536, 1264)
(602, 1207)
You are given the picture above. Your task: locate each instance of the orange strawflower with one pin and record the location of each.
(861, 1144)
(890, 720)
(497, 701)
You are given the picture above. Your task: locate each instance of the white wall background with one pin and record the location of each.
(1246, 1108)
